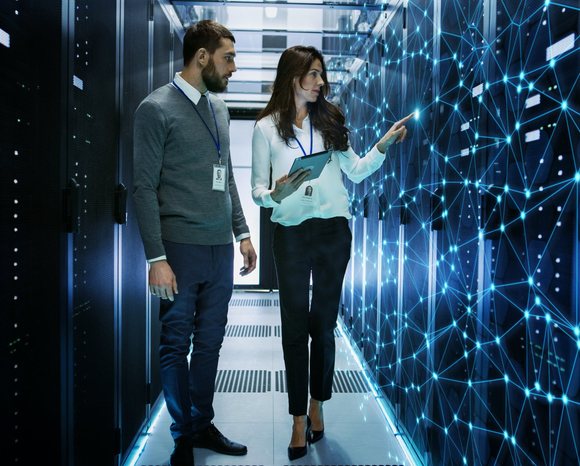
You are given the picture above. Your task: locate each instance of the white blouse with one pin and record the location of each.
(328, 198)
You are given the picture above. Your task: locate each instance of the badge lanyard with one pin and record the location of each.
(216, 142)
(302, 148)
(307, 197)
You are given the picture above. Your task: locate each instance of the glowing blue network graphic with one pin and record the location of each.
(463, 290)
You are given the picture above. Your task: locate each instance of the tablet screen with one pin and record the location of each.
(314, 162)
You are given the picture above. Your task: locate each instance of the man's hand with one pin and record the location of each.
(395, 135)
(286, 185)
(250, 257)
(162, 281)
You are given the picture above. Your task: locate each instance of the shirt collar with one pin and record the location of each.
(191, 92)
(304, 127)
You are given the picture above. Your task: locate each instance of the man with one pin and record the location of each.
(186, 216)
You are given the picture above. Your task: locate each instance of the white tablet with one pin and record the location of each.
(314, 162)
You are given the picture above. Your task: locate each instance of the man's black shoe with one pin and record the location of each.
(213, 439)
(182, 454)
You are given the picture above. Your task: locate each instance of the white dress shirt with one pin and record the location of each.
(329, 196)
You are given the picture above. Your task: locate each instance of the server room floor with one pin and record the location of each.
(251, 402)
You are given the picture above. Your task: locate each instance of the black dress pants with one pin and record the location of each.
(321, 247)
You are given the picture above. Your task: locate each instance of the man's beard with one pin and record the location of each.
(212, 80)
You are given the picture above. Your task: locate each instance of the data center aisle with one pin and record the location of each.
(251, 402)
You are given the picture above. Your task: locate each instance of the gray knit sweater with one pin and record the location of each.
(173, 162)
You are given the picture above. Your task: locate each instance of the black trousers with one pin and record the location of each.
(320, 247)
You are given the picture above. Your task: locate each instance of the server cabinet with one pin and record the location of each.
(138, 381)
(532, 225)
(33, 244)
(479, 338)
(416, 363)
(352, 302)
(162, 45)
(162, 66)
(92, 158)
(390, 214)
(77, 326)
(372, 185)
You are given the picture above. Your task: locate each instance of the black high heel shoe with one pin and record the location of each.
(315, 436)
(298, 452)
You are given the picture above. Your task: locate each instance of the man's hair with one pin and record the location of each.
(205, 34)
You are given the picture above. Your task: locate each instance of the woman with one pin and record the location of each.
(312, 235)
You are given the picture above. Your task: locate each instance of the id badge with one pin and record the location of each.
(219, 178)
(307, 195)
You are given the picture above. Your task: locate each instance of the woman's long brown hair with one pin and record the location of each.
(324, 116)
